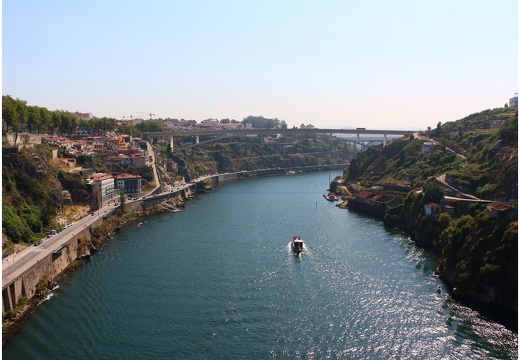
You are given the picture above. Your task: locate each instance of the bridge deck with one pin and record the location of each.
(274, 131)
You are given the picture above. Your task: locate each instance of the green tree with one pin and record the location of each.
(85, 125)
(122, 198)
(45, 119)
(33, 120)
(13, 226)
(151, 126)
(9, 114)
(438, 130)
(56, 120)
(432, 192)
(68, 124)
(260, 122)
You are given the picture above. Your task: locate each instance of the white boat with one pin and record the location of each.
(297, 244)
(140, 224)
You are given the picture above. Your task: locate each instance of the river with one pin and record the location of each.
(218, 280)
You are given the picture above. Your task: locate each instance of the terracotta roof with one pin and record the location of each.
(100, 177)
(376, 197)
(364, 194)
(127, 176)
(498, 207)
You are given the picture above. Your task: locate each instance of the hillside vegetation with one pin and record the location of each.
(478, 252)
(243, 154)
(478, 154)
(31, 194)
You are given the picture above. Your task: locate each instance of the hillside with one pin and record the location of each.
(238, 154)
(477, 244)
(33, 184)
(478, 154)
(31, 194)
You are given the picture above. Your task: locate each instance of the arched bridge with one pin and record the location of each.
(241, 132)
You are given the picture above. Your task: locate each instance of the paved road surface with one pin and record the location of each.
(24, 260)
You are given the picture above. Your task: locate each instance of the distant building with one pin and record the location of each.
(82, 116)
(210, 123)
(496, 209)
(428, 146)
(433, 210)
(132, 160)
(373, 203)
(513, 102)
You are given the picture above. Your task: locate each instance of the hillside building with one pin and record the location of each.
(105, 187)
(373, 203)
(131, 184)
(428, 146)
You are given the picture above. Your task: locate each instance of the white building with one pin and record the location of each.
(105, 186)
(428, 146)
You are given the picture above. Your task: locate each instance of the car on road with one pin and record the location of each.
(39, 242)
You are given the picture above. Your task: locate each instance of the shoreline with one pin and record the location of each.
(107, 230)
(499, 314)
(111, 226)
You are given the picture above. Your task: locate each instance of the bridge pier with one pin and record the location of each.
(197, 139)
(171, 142)
(384, 140)
(357, 138)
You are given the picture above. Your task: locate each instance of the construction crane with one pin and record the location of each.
(139, 116)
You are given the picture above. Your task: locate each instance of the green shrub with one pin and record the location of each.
(10, 314)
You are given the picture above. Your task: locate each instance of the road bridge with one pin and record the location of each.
(150, 136)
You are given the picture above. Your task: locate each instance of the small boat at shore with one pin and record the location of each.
(297, 244)
(330, 197)
(140, 224)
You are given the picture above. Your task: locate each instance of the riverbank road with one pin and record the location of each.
(20, 262)
(151, 153)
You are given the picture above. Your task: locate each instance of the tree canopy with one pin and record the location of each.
(260, 122)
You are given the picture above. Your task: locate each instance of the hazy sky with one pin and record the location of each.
(374, 64)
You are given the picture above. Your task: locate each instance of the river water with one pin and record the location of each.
(218, 280)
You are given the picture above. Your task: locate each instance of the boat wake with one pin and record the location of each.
(289, 250)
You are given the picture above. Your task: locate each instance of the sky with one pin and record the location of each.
(386, 64)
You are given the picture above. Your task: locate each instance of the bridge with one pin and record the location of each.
(150, 136)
